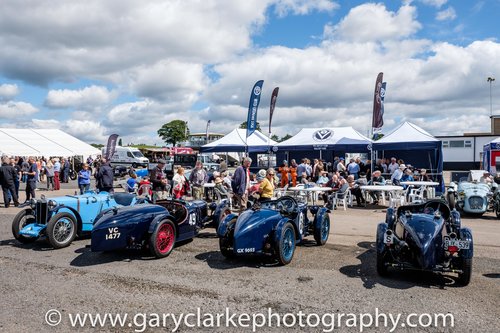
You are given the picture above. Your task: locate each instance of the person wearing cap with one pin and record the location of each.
(284, 170)
(341, 169)
(219, 187)
(83, 179)
(486, 178)
(159, 180)
(322, 179)
(393, 166)
(197, 180)
(266, 187)
(397, 174)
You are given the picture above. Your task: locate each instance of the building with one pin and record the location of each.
(196, 140)
(465, 152)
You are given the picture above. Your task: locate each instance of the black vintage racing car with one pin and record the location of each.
(426, 237)
(155, 226)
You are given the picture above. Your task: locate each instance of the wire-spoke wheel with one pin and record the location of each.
(61, 230)
(162, 240)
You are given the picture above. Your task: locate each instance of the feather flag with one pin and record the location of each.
(274, 97)
(111, 146)
(377, 120)
(253, 105)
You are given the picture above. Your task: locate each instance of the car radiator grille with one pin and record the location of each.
(42, 211)
(476, 202)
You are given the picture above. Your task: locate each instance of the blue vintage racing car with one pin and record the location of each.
(155, 226)
(425, 237)
(61, 219)
(470, 195)
(273, 228)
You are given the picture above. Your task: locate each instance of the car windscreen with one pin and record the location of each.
(137, 154)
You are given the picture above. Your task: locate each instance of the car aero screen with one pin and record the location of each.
(177, 210)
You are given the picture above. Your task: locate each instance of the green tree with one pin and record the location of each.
(275, 138)
(120, 143)
(244, 126)
(286, 137)
(174, 132)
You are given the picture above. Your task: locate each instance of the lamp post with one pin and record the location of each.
(490, 80)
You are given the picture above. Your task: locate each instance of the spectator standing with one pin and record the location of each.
(159, 181)
(57, 170)
(393, 166)
(31, 178)
(7, 180)
(197, 180)
(284, 170)
(241, 183)
(65, 170)
(341, 169)
(223, 166)
(293, 172)
(104, 177)
(83, 178)
(353, 169)
(49, 172)
(181, 184)
(17, 167)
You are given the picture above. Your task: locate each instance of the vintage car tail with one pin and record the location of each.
(125, 230)
(252, 231)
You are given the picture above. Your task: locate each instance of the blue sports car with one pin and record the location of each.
(61, 219)
(273, 228)
(155, 226)
(425, 237)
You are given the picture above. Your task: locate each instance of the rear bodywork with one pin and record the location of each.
(426, 237)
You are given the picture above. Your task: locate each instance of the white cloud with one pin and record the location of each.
(373, 22)
(86, 130)
(448, 14)
(8, 91)
(303, 7)
(16, 110)
(86, 98)
(434, 3)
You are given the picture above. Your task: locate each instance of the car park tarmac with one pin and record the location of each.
(338, 278)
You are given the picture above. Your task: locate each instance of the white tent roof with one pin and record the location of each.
(236, 141)
(42, 142)
(307, 138)
(407, 132)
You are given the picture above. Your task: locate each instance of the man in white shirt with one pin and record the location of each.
(398, 173)
(393, 166)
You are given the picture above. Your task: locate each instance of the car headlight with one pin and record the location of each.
(52, 203)
(33, 203)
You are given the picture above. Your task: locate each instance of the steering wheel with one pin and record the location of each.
(287, 204)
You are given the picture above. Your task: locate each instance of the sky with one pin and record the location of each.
(93, 68)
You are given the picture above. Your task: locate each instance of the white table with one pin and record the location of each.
(209, 185)
(313, 190)
(381, 188)
(429, 186)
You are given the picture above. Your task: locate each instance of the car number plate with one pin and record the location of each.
(461, 244)
(388, 238)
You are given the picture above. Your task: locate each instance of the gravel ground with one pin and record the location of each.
(337, 278)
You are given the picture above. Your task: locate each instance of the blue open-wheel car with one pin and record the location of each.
(425, 237)
(273, 228)
(155, 226)
(63, 218)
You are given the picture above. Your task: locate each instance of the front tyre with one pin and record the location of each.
(22, 219)
(226, 242)
(286, 244)
(321, 234)
(61, 230)
(465, 276)
(450, 197)
(163, 238)
(381, 259)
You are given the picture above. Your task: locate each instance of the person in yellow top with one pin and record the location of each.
(266, 188)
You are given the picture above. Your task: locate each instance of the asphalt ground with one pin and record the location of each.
(338, 278)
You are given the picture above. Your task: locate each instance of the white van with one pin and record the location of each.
(127, 156)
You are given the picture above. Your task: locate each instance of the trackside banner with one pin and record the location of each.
(253, 105)
(111, 146)
(274, 97)
(378, 119)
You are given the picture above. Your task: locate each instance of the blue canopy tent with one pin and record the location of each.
(491, 156)
(415, 146)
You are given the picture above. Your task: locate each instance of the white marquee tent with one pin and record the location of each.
(236, 141)
(42, 142)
